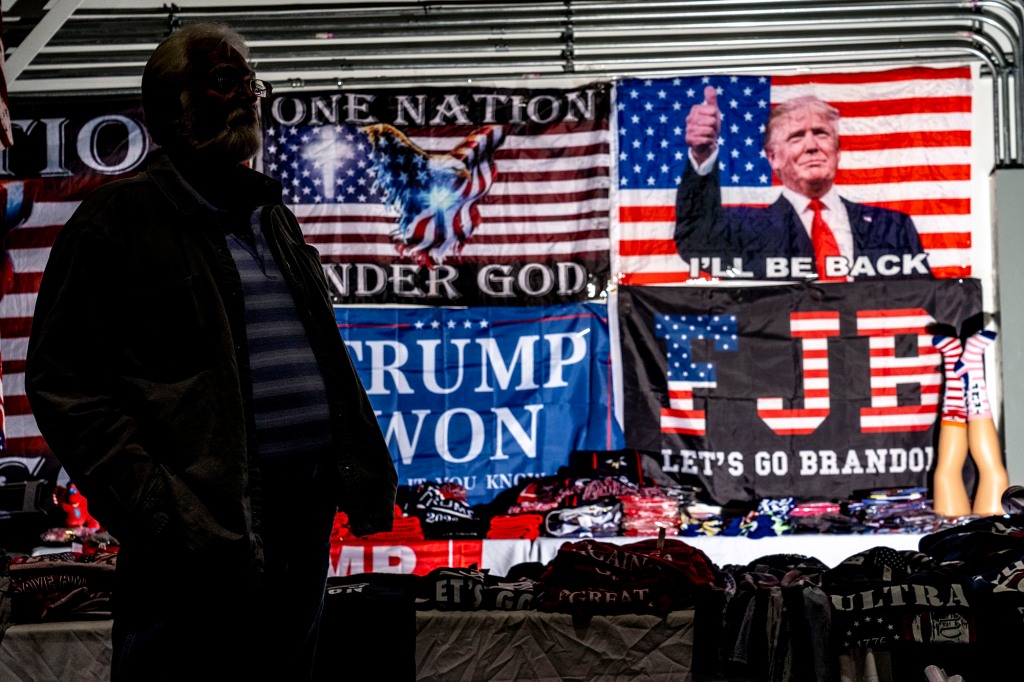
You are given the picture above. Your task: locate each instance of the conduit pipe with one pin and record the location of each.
(347, 45)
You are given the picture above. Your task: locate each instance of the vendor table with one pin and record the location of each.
(419, 557)
(464, 645)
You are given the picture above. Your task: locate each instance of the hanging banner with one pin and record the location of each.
(60, 150)
(417, 557)
(898, 167)
(485, 396)
(814, 391)
(63, 149)
(461, 196)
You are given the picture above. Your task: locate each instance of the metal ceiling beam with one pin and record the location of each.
(102, 45)
(41, 35)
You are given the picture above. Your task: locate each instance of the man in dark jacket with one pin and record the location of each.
(810, 231)
(186, 369)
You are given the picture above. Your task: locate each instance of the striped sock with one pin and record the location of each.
(971, 367)
(953, 409)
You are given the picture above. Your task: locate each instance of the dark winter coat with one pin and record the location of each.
(138, 373)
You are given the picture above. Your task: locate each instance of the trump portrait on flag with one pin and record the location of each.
(717, 174)
(810, 231)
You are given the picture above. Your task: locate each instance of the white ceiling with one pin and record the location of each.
(73, 46)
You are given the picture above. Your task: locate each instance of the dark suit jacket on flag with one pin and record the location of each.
(885, 242)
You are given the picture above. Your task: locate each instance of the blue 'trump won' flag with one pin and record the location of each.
(485, 396)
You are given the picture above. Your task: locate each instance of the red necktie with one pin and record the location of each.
(824, 242)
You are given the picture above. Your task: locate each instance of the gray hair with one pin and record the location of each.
(165, 79)
(784, 109)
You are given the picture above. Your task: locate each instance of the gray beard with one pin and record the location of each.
(237, 142)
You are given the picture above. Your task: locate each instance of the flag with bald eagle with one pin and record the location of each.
(456, 196)
(433, 196)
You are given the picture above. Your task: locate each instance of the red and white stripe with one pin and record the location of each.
(442, 233)
(905, 140)
(28, 247)
(889, 371)
(954, 408)
(681, 416)
(813, 329)
(549, 200)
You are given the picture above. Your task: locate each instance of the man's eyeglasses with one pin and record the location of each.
(226, 84)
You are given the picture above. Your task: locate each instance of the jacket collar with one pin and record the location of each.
(162, 169)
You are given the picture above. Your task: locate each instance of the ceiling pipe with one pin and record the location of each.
(506, 40)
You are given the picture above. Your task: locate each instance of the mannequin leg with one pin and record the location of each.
(982, 437)
(949, 495)
(992, 477)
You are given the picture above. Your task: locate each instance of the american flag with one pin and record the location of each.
(549, 200)
(434, 195)
(27, 244)
(37, 200)
(905, 136)
(6, 140)
(682, 374)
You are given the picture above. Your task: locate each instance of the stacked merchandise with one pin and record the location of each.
(443, 510)
(470, 589)
(515, 527)
(883, 596)
(985, 559)
(598, 494)
(569, 507)
(648, 511)
(591, 577)
(662, 575)
(896, 510)
(70, 577)
(64, 586)
(700, 518)
(597, 518)
(541, 495)
(770, 518)
(816, 516)
(885, 510)
(604, 506)
(955, 603)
